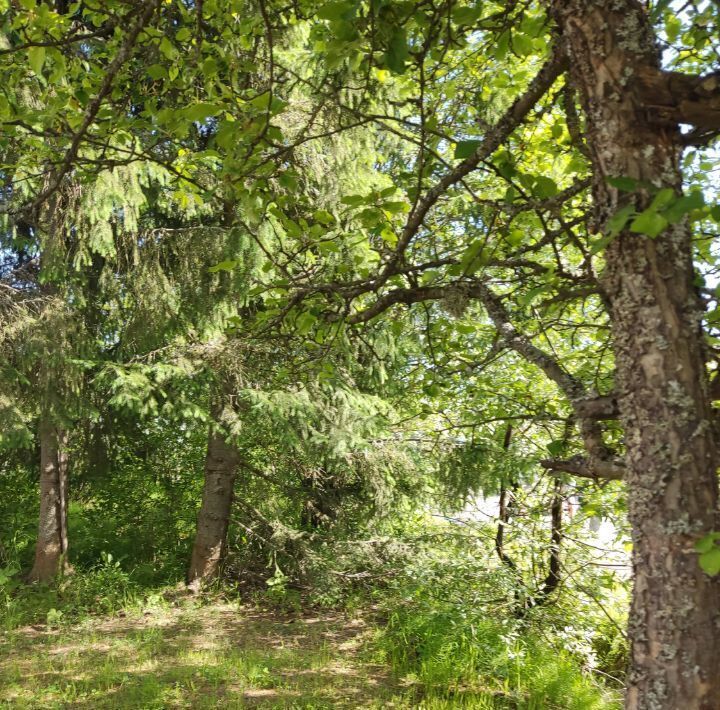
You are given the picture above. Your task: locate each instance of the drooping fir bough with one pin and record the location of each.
(522, 182)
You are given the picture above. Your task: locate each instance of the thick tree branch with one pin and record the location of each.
(405, 296)
(585, 406)
(493, 139)
(521, 344)
(674, 98)
(600, 407)
(588, 410)
(596, 469)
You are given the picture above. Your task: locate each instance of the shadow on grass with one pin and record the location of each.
(198, 657)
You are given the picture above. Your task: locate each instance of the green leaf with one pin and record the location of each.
(544, 187)
(156, 71)
(324, 217)
(662, 198)
(327, 247)
(370, 217)
(36, 57)
(167, 49)
(389, 237)
(673, 26)
(617, 222)
(277, 105)
(516, 237)
(625, 184)
(397, 51)
(288, 180)
(710, 561)
(210, 67)
(599, 244)
(706, 543)
(529, 297)
(556, 448)
(522, 44)
(464, 149)
(648, 222)
(466, 15)
(353, 200)
(305, 322)
(337, 11)
(465, 328)
(472, 252)
(227, 265)
(201, 111)
(682, 205)
(396, 207)
(501, 45)
(268, 102)
(433, 390)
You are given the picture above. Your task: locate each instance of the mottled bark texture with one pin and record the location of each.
(661, 382)
(221, 464)
(52, 541)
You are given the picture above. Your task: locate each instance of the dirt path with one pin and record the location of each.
(216, 656)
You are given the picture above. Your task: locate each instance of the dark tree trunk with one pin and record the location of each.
(323, 498)
(52, 542)
(671, 452)
(506, 503)
(221, 464)
(553, 578)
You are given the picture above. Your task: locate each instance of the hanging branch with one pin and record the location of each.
(124, 53)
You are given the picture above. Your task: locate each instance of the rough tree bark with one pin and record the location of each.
(52, 542)
(671, 452)
(221, 464)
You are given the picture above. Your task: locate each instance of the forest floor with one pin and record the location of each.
(186, 655)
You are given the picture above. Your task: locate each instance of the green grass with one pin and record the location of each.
(98, 640)
(464, 657)
(192, 656)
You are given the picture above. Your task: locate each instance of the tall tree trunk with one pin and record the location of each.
(506, 505)
(52, 542)
(553, 578)
(664, 405)
(221, 465)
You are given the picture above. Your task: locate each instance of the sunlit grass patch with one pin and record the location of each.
(196, 657)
